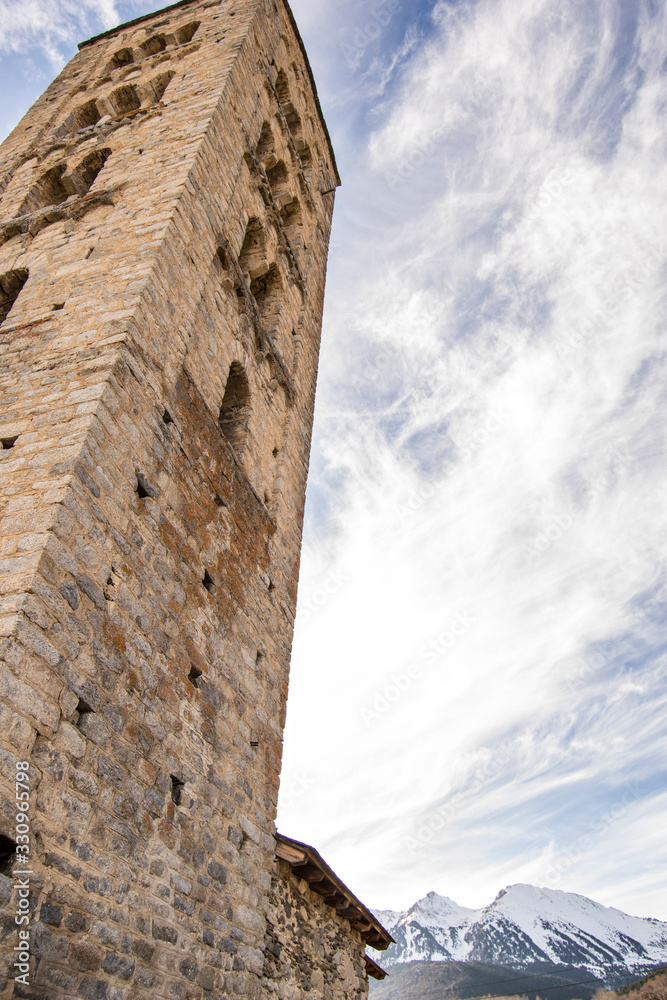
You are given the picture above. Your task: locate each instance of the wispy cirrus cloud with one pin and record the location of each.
(52, 26)
(490, 444)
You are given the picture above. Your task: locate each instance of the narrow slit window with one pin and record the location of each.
(7, 853)
(266, 143)
(293, 119)
(292, 219)
(235, 407)
(305, 155)
(252, 259)
(278, 179)
(267, 290)
(176, 790)
(11, 284)
(282, 87)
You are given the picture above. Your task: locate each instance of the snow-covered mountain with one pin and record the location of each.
(524, 926)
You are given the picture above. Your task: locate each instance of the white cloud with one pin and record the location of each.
(490, 444)
(51, 25)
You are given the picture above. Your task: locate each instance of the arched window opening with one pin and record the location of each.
(11, 284)
(89, 168)
(292, 219)
(84, 116)
(282, 87)
(49, 190)
(124, 99)
(293, 119)
(266, 144)
(268, 291)
(303, 149)
(235, 408)
(121, 58)
(252, 259)
(229, 278)
(157, 86)
(154, 44)
(186, 32)
(278, 179)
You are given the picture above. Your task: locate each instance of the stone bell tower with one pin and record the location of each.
(164, 221)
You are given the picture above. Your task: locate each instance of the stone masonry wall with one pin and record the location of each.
(312, 953)
(164, 224)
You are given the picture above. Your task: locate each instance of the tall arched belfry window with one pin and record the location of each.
(235, 408)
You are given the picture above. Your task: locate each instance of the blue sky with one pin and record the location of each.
(483, 588)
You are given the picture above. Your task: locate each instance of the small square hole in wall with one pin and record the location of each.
(7, 852)
(275, 453)
(176, 789)
(8, 442)
(208, 581)
(167, 417)
(219, 502)
(57, 306)
(144, 488)
(84, 709)
(194, 676)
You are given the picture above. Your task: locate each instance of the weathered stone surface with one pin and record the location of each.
(309, 950)
(164, 223)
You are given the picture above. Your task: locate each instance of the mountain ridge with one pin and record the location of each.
(525, 926)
